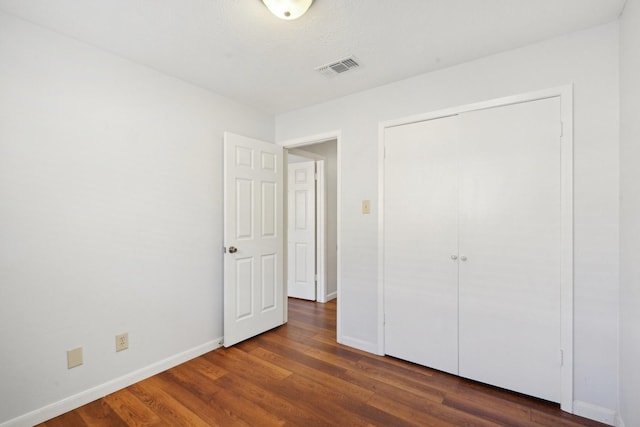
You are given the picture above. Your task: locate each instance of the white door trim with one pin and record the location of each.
(566, 116)
(315, 139)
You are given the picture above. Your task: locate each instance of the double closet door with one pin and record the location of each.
(472, 245)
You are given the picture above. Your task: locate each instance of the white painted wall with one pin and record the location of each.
(630, 214)
(329, 150)
(110, 217)
(589, 61)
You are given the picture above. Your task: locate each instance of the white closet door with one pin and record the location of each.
(420, 235)
(510, 247)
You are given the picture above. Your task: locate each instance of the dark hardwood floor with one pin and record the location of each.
(297, 375)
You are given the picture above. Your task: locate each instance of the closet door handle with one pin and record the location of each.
(454, 257)
(233, 250)
(463, 258)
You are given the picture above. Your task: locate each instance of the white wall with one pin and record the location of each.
(589, 61)
(329, 151)
(110, 217)
(630, 215)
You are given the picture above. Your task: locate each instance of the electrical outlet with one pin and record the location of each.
(74, 358)
(122, 342)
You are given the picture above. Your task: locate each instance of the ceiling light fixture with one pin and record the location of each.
(288, 9)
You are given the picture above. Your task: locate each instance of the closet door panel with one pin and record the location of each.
(420, 235)
(510, 229)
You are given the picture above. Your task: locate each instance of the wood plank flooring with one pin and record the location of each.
(297, 375)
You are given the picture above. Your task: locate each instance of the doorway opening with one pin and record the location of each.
(320, 154)
(311, 221)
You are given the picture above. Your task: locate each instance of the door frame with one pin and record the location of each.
(565, 93)
(300, 143)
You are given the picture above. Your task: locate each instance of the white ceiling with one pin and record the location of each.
(238, 49)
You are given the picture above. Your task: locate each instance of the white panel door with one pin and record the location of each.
(301, 234)
(510, 247)
(253, 238)
(421, 243)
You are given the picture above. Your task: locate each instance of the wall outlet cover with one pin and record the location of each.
(122, 342)
(74, 358)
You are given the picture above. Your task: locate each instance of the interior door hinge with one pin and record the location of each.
(561, 357)
(561, 128)
(315, 277)
(384, 152)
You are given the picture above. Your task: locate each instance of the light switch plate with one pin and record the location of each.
(366, 206)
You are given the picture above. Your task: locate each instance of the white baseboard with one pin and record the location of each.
(72, 402)
(594, 412)
(619, 422)
(359, 344)
(328, 297)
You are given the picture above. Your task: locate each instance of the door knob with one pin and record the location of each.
(233, 250)
(454, 257)
(463, 258)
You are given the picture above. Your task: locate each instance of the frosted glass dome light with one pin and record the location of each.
(288, 9)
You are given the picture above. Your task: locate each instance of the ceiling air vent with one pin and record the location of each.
(338, 67)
